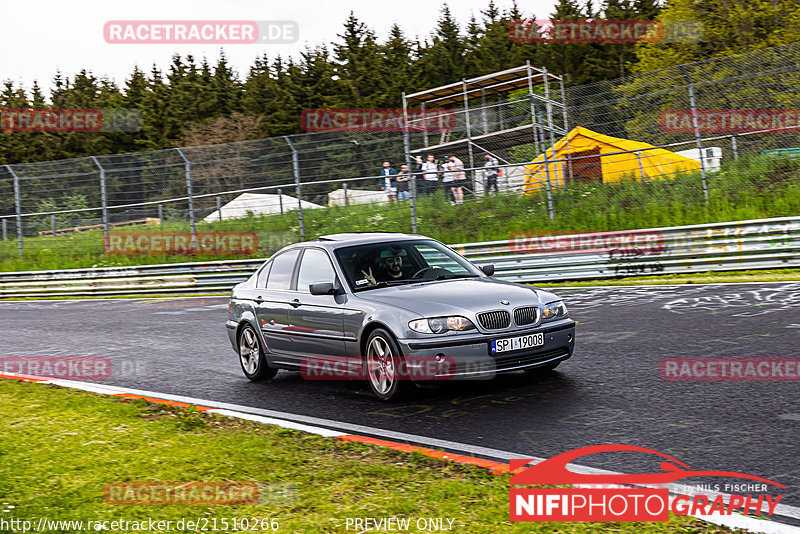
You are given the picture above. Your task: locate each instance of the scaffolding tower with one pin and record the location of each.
(522, 108)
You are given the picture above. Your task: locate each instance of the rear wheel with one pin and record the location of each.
(251, 356)
(384, 367)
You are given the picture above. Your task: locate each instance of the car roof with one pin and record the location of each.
(363, 238)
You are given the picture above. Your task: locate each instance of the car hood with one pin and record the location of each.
(457, 297)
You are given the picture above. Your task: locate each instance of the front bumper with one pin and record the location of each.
(450, 358)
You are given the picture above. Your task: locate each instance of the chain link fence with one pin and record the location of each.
(696, 143)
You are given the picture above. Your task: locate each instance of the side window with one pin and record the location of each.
(280, 275)
(261, 281)
(314, 267)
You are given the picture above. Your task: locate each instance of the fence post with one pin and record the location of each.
(696, 127)
(734, 147)
(296, 167)
(566, 129)
(188, 168)
(280, 199)
(160, 215)
(469, 137)
(219, 207)
(18, 206)
(5, 230)
(641, 168)
(344, 190)
(103, 201)
(53, 224)
(412, 184)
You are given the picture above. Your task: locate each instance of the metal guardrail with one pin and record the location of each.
(755, 244)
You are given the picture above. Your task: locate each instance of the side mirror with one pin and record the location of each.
(488, 269)
(322, 288)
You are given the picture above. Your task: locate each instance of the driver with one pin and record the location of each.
(390, 267)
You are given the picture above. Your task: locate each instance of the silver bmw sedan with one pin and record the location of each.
(395, 310)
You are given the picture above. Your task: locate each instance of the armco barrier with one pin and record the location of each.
(755, 244)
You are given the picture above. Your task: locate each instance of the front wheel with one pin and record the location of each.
(384, 367)
(251, 356)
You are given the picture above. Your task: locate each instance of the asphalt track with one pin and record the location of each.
(611, 391)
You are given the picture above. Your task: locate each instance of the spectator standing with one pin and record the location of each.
(490, 173)
(447, 179)
(389, 176)
(402, 184)
(430, 175)
(458, 179)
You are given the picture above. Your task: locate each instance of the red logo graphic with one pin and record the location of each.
(618, 503)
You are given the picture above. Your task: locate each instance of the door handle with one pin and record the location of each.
(259, 299)
(296, 303)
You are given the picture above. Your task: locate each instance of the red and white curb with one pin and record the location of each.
(734, 521)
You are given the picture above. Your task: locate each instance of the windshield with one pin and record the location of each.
(401, 262)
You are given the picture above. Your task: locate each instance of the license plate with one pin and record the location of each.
(517, 343)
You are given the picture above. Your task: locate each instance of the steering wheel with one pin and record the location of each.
(425, 269)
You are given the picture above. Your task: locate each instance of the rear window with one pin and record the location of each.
(280, 275)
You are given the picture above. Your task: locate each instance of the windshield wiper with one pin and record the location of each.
(454, 276)
(388, 283)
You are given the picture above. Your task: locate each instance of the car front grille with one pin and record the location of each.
(494, 320)
(526, 315)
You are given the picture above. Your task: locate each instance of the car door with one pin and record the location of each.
(273, 303)
(317, 321)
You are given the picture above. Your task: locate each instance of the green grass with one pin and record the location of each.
(749, 188)
(61, 447)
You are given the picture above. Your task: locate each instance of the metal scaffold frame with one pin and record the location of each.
(499, 94)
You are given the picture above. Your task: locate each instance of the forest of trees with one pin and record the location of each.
(194, 102)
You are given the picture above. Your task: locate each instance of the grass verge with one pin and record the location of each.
(60, 448)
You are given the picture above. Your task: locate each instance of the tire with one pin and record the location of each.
(251, 356)
(544, 370)
(383, 367)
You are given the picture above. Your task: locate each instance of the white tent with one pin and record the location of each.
(258, 204)
(356, 196)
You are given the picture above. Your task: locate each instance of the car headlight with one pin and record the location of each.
(554, 310)
(439, 325)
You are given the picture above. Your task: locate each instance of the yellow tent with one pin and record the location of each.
(600, 163)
